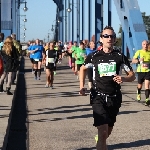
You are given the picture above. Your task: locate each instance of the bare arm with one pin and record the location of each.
(135, 61)
(130, 76)
(82, 75)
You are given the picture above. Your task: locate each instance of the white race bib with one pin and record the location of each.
(107, 69)
(36, 59)
(51, 60)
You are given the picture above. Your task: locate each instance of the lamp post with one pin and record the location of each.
(48, 37)
(52, 29)
(78, 17)
(60, 20)
(25, 20)
(23, 25)
(25, 7)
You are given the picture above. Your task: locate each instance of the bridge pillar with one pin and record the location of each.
(89, 20)
(78, 21)
(109, 12)
(83, 20)
(72, 20)
(98, 18)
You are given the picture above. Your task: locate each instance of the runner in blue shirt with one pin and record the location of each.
(30, 55)
(90, 50)
(37, 50)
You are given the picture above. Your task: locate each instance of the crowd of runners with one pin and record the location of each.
(101, 64)
(52, 53)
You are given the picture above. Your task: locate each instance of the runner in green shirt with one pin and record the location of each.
(142, 59)
(73, 51)
(80, 56)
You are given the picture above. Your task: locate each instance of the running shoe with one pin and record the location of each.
(3, 91)
(51, 87)
(147, 102)
(46, 85)
(54, 72)
(138, 97)
(96, 138)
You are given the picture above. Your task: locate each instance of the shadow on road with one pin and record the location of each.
(92, 148)
(134, 144)
(18, 133)
(119, 146)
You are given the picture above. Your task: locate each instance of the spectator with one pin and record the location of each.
(9, 55)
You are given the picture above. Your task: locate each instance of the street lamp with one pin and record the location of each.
(52, 29)
(49, 36)
(69, 9)
(60, 20)
(78, 17)
(25, 7)
(25, 20)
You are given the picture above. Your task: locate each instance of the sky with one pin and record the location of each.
(41, 15)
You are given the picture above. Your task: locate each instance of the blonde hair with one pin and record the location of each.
(7, 47)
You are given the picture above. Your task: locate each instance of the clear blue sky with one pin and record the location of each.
(41, 15)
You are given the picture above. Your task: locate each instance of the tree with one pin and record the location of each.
(118, 39)
(146, 20)
(120, 30)
(118, 42)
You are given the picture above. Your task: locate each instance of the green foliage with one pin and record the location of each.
(120, 30)
(146, 20)
(119, 42)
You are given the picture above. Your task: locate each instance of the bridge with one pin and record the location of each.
(70, 16)
(38, 118)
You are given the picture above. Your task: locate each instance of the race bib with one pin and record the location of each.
(51, 60)
(36, 59)
(82, 54)
(107, 69)
(145, 66)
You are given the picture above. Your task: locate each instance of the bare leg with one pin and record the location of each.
(48, 77)
(102, 136)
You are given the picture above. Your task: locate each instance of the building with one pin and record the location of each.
(10, 17)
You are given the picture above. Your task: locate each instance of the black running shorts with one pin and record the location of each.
(142, 76)
(78, 67)
(105, 111)
(73, 60)
(32, 60)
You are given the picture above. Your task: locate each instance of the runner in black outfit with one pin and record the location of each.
(50, 58)
(106, 96)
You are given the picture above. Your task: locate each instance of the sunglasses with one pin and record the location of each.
(107, 36)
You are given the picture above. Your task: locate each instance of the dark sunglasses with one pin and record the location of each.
(107, 36)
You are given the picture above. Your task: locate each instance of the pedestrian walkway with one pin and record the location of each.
(61, 119)
(6, 106)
